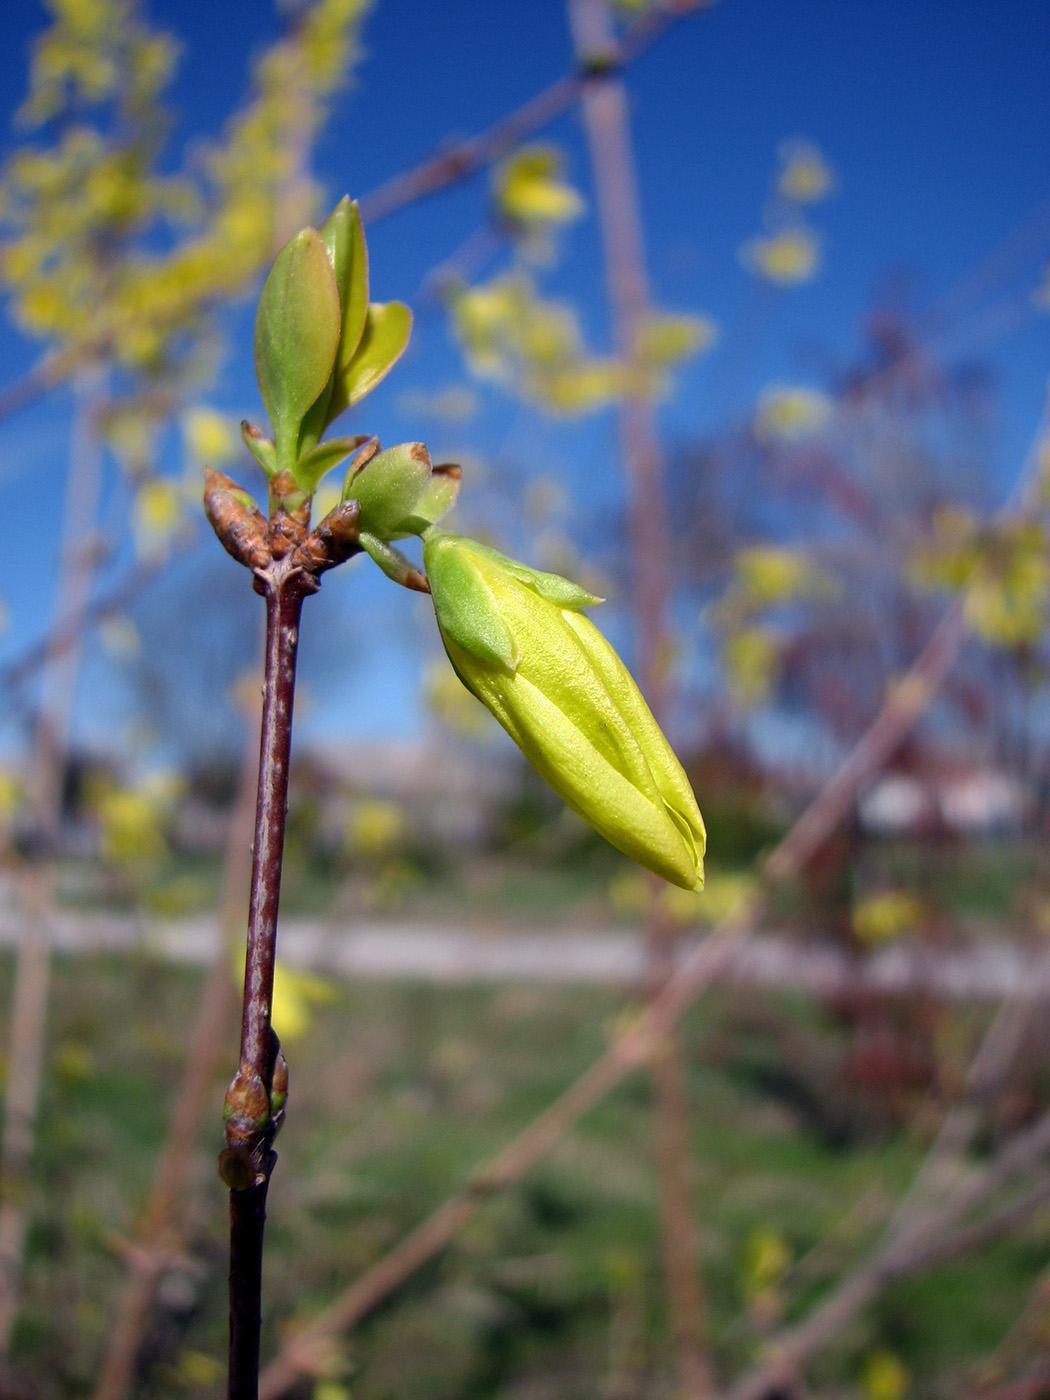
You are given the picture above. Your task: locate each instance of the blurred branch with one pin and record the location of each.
(605, 119)
(899, 713)
(32, 963)
(1033, 1387)
(925, 1240)
(465, 158)
(438, 171)
(996, 1053)
(71, 627)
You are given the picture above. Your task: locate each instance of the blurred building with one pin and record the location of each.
(978, 802)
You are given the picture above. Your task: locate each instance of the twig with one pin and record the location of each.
(994, 1057)
(1033, 1387)
(254, 1101)
(467, 157)
(437, 172)
(919, 1243)
(69, 629)
(605, 119)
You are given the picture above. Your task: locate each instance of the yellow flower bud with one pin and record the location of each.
(518, 641)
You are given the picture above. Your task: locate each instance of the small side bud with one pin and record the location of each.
(246, 1110)
(333, 541)
(236, 1169)
(438, 496)
(289, 514)
(279, 1090)
(388, 485)
(236, 520)
(260, 446)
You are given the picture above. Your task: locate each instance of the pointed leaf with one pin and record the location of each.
(387, 329)
(345, 241)
(296, 335)
(313, 465)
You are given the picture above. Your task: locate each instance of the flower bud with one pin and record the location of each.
(517, 640)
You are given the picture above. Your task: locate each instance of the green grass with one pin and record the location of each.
(554, 1287)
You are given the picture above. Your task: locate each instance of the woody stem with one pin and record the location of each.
(284, 591)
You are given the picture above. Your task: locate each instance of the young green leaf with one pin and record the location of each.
(313, 465)
(296, 336)
(345, 241)
(387, 329)
(467, 611)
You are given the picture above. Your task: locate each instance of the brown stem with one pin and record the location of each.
(247, 1225)
(252, 1114)
(284, 602)
(605, 117)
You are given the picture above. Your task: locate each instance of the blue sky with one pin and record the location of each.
(934, 117)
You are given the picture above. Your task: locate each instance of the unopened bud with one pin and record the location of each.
(246, 1110)
(236, 519)
(289, 514)
(279, 1089)
(518, 641)
(333, 541)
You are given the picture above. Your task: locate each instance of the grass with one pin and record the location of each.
(554, 1287)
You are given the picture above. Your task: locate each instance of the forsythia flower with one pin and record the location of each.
(518, 641)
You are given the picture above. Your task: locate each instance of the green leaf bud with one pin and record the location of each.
(388, 485)
(260, 446)
(517, 641)
(344, 240)
(439, 496)
(297, 330)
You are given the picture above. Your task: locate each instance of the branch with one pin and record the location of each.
(449, 166)
(33, 960)
(255, 1099)
(70, 628)
(437, 172)
(925, 1240)
(606, 121)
